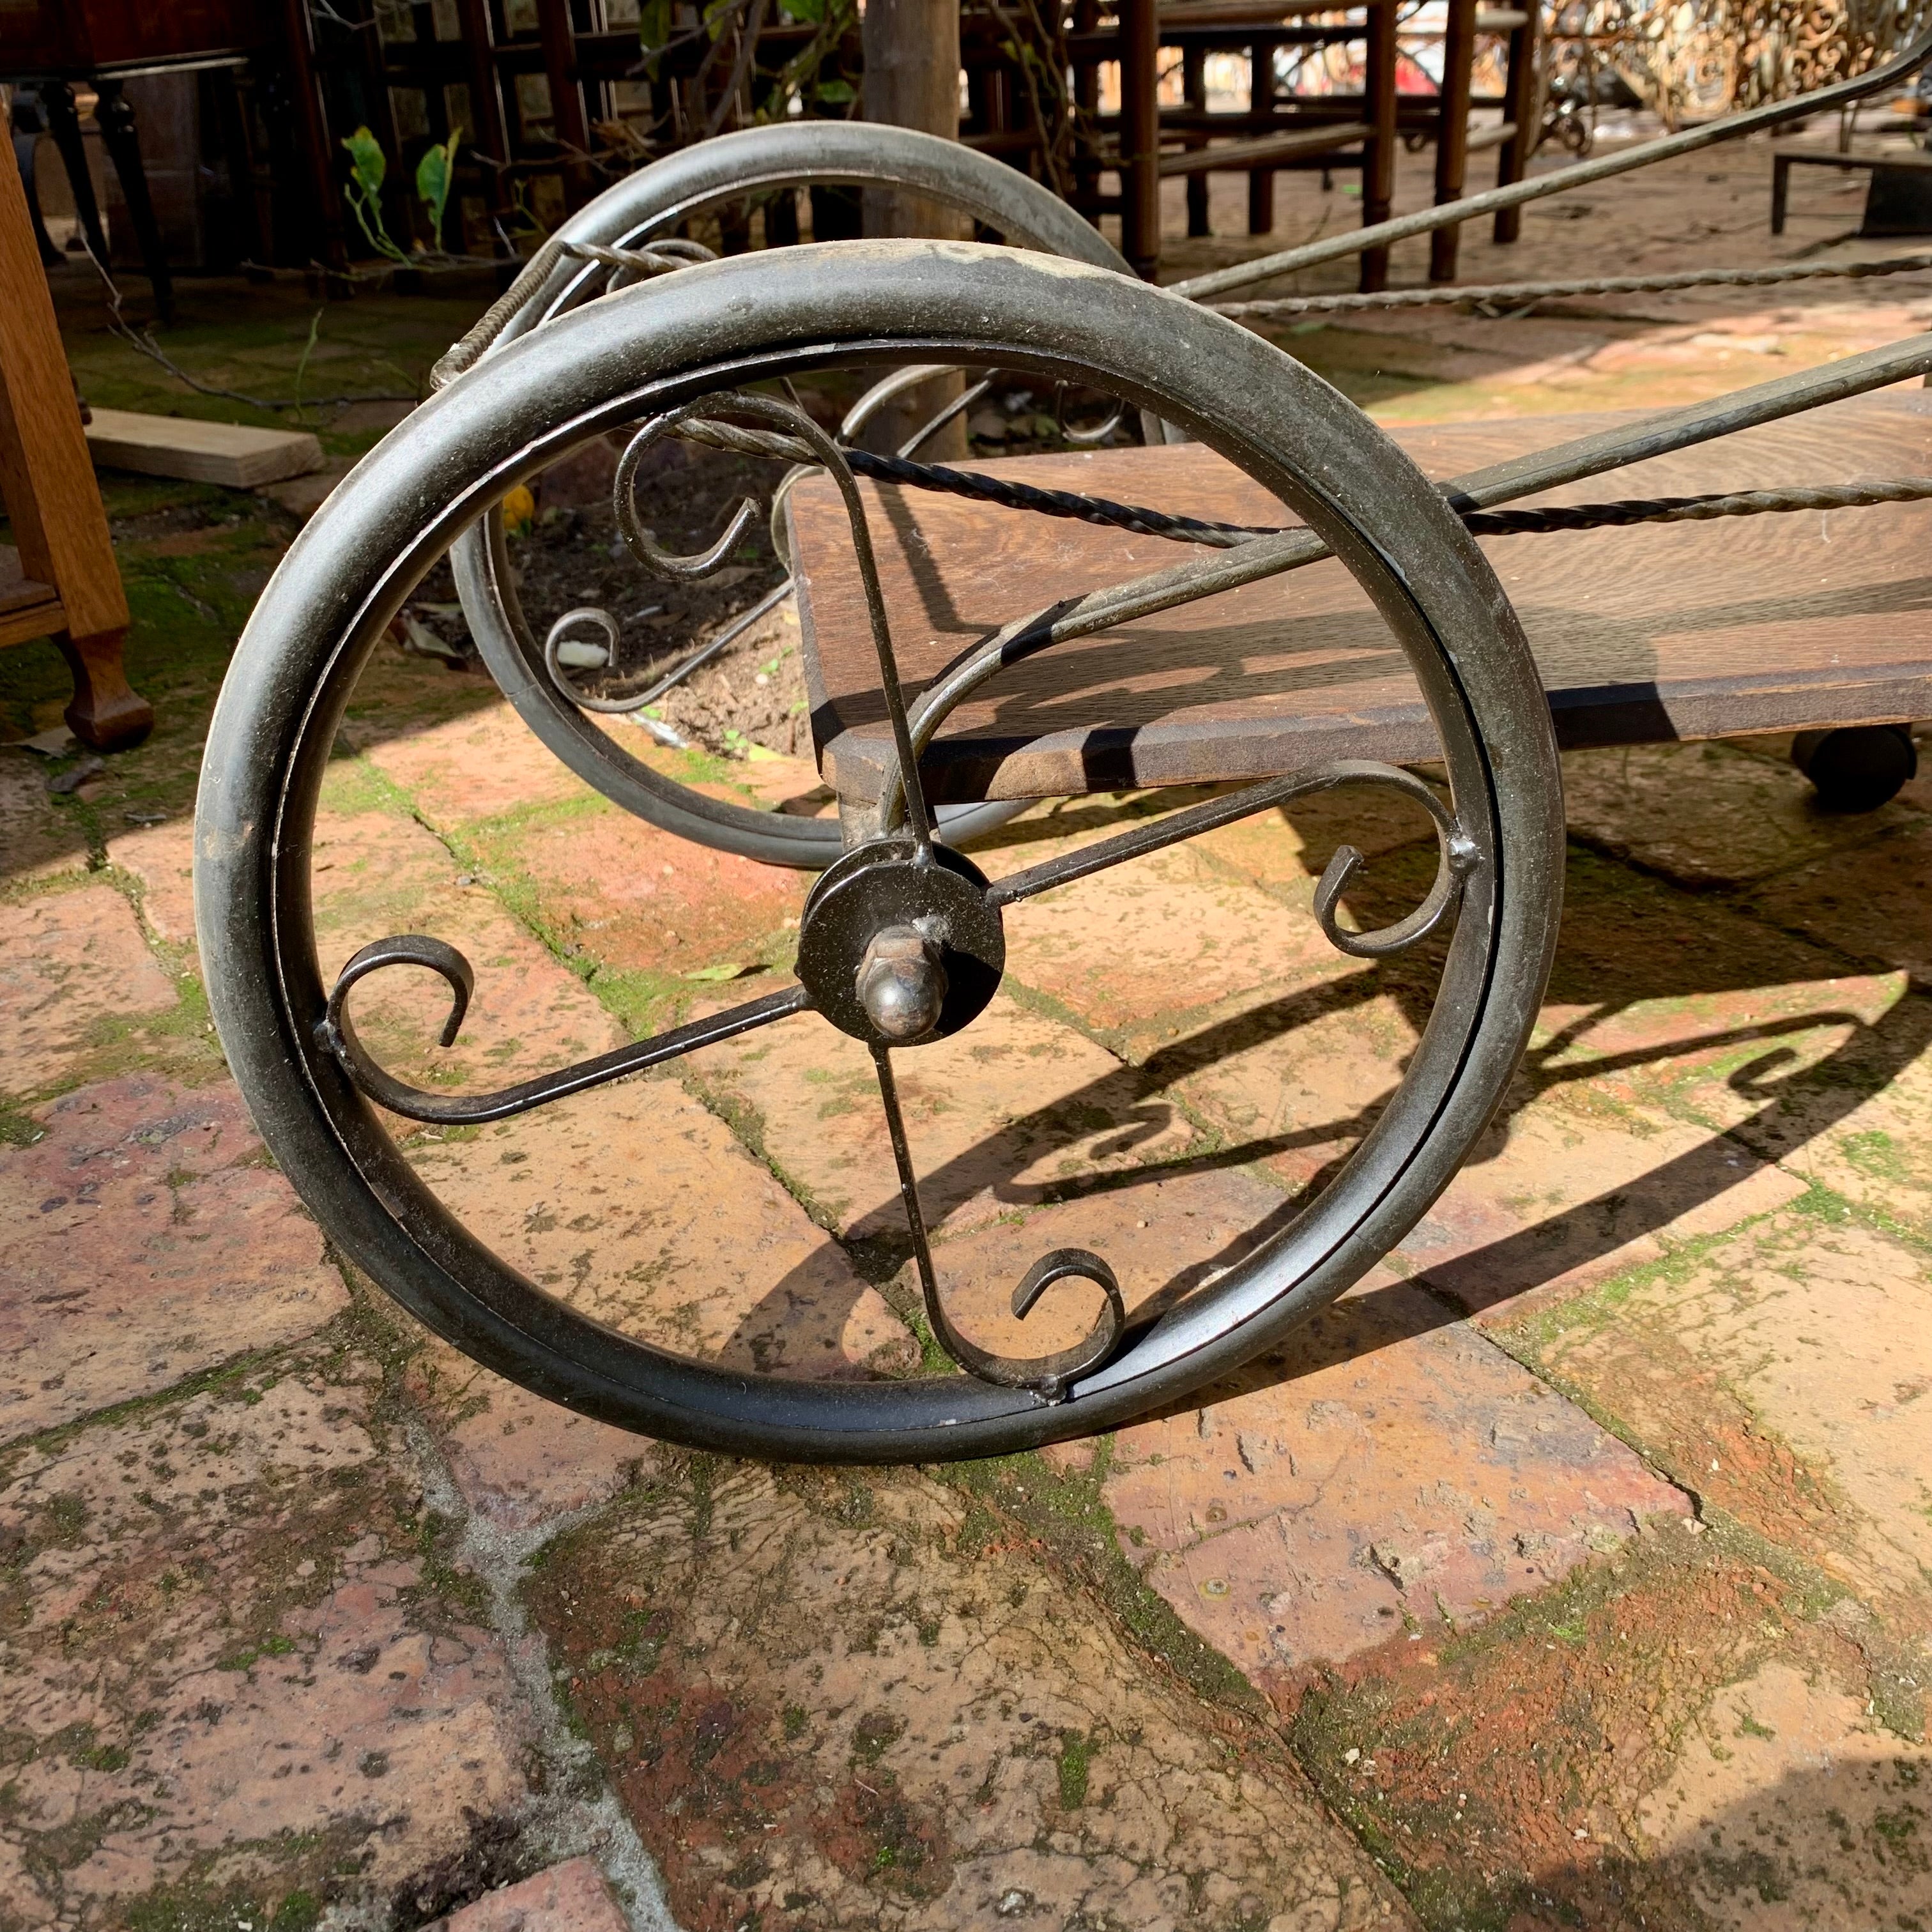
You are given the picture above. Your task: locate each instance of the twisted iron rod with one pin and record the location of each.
(1510, 294)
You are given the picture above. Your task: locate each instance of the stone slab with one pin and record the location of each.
(1387, 1471)
(145, 1238)
(36, 841)
(521, 1461)
(1572, 1182)
(1162, 1231)
(823, 1707)
(1791, 1807)
(1141, 945)
(162, 858)
(573, 1897)
(477, 766)
(1709, 814)
(1862, 1124)
(629, 896)
(635, 1204)
(378, 873)
(999, 1117)
(69, 962)
(1871, 903)
(1785, 1373)
(240, 1668)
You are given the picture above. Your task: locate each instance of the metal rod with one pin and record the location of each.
(338, 1037)
(1580, 174)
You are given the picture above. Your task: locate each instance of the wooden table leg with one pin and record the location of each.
(1194, 91)
(64, 124)
(115, 114)
(46, 482)
(1519, 106)
(107, 712)
(1452, 132)
(1261, 103)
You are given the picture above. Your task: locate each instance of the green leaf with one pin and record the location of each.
(367, 167)
(653, 29)
(436, 175)
(367, 161)
(835, 93)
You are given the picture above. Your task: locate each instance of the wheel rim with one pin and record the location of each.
(628, 214)
(351, 569)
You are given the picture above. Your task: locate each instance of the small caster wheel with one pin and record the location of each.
(1857, 767)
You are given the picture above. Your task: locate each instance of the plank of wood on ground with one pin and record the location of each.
(199, 452)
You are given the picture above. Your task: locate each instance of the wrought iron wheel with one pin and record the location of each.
(902, 941)
(641, 214)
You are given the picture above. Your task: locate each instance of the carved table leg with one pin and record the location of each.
(106, 712)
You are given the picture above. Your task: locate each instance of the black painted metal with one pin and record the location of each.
(694, 337)
(902, 941)
(884, 884)
(644, 209)
(1049, 1376)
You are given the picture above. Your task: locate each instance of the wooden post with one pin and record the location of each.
(1452, 130)
(1140, 137)
(1194, 91)
(566, 99)
(912, 80)
(1519, 110)
(1261, 116)
(1378, 157)
(327, 242)
(486, 101)
(46, 481)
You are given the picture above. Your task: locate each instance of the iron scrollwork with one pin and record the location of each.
(901, 942)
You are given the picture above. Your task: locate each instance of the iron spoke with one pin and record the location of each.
(1458, 852)
(337, 1035)
(1047, 1376)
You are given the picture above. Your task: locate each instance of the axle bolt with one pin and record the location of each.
(901, 984)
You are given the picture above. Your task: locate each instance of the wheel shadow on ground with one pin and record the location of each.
(1794, 1100)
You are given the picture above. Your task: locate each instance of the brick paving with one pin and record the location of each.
(1573, 1569)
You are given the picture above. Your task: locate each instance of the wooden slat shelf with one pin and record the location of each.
(29, 609)
(1645, 634)
(1227, 154)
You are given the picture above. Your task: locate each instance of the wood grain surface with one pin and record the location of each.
(1707, 630)
(46, 481)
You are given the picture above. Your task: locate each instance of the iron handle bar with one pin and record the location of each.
(1508, 294)
(1578, 174)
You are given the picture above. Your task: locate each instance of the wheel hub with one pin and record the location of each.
(896, 952)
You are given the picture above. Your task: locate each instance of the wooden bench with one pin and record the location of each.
(1644, 634)
(1782, 162)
